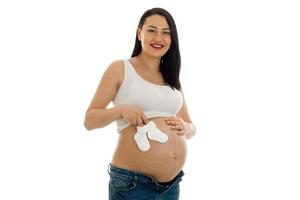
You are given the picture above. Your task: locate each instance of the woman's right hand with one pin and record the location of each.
(134, 115)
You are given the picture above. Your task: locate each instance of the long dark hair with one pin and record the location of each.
(171, 60)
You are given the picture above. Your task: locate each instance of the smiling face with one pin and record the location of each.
(155, 36)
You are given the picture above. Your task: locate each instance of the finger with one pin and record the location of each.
(171, 122)
(181, 132)
(144, 118)
(168, 121)
(134, 122)
(140, 121)
(178, 120)
(129, 121)
(175, 123)
(178, 127)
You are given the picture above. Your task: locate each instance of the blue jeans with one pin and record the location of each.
(130, 185)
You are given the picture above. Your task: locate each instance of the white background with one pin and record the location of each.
(240, 74)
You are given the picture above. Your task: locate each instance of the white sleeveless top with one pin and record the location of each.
(155, 100)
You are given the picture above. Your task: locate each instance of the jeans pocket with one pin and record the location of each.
(122, 183)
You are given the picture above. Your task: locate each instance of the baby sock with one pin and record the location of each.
(141, 138)
(155, 134)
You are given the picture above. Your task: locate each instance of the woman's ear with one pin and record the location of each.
(138, 32)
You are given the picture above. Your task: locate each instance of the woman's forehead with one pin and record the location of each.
(156, 21)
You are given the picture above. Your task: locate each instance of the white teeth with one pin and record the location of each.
(157, 45)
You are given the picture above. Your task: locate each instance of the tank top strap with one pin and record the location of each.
(128, 70)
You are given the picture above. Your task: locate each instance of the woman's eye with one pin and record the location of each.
(167, 33)
(152, 31)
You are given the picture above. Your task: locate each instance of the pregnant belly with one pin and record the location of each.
(163, 161)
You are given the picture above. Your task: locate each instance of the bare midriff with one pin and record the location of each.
(163, 161)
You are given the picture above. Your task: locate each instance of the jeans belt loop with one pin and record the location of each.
(108, 168)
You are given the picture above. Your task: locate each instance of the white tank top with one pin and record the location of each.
(155, 100)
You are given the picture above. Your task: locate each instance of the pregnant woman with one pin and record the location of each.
(150, 112)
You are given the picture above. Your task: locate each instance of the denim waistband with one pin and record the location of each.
(138, 176)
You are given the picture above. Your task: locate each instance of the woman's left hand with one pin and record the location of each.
(176, 124)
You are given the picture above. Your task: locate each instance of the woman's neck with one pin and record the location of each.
(151, 64)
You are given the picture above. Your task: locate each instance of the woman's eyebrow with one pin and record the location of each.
(151, 26)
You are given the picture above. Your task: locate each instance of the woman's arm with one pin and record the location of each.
(97, 115)
(98, 118)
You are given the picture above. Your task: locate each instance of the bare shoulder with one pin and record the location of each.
(116, 65)
(108, 85)
(115, 71)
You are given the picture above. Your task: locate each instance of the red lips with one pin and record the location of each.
(157, 46)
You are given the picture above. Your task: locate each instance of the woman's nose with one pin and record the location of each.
(158, 37)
